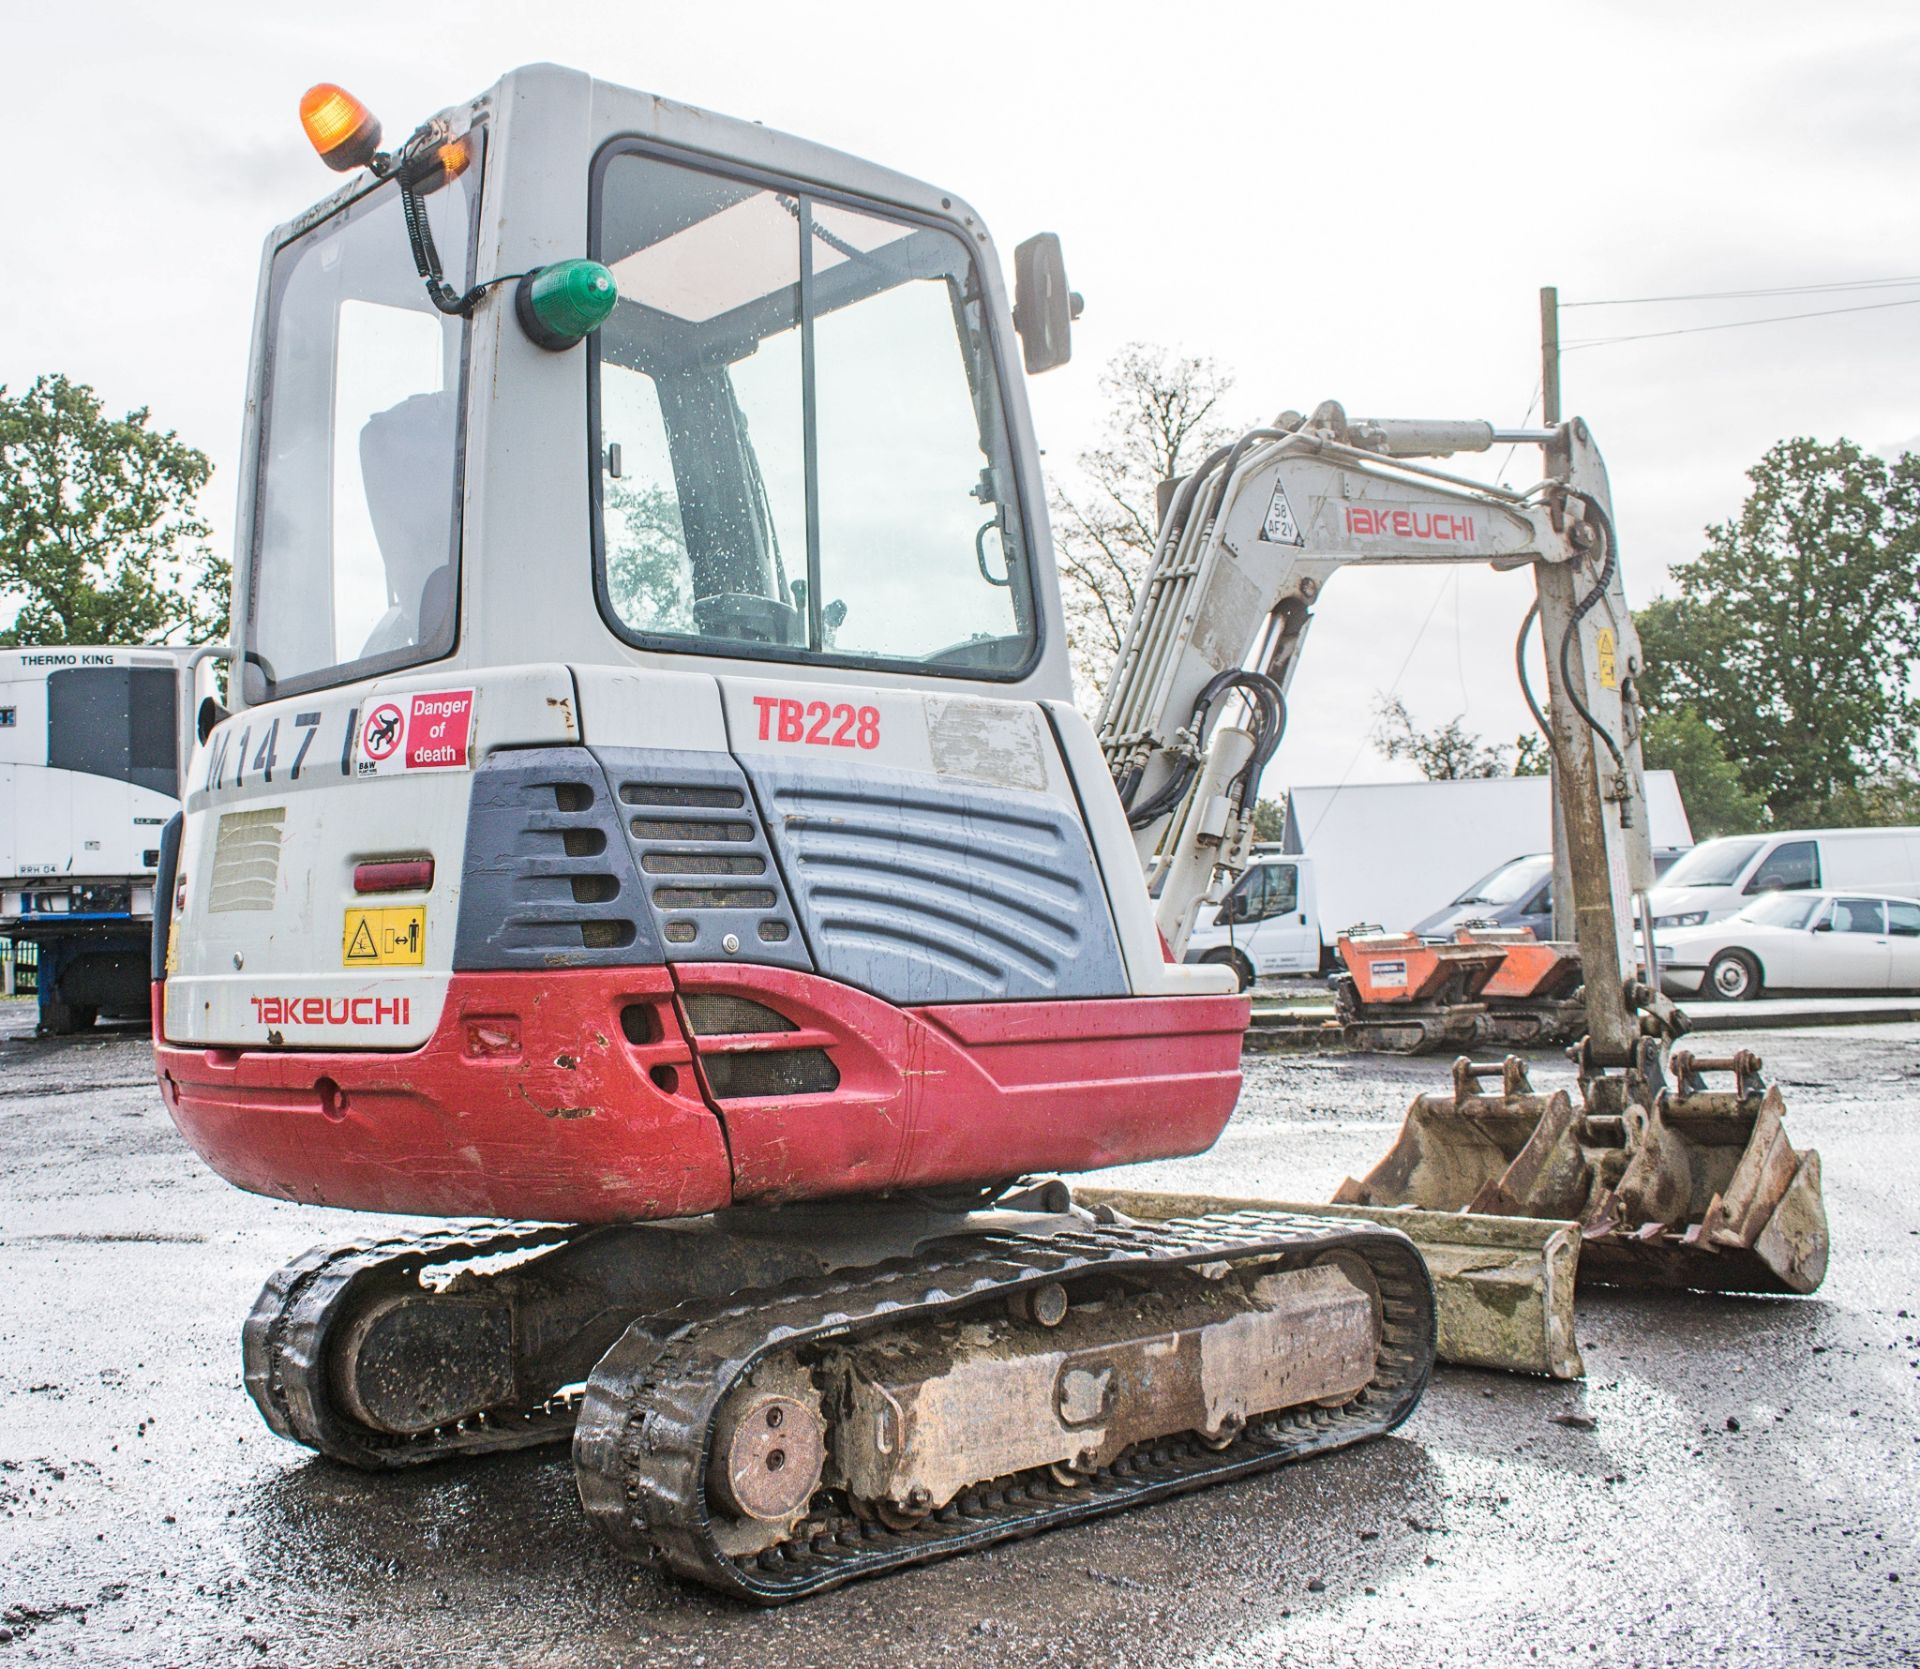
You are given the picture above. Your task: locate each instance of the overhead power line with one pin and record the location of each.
(1736, 324)
(1746, 295)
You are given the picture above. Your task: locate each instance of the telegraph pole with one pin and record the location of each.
(1549, 355)
(1550, 418)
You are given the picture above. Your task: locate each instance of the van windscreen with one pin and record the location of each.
(1713, 863)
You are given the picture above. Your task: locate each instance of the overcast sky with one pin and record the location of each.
(1333, 201)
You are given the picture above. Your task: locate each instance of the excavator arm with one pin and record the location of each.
(1648, 1175)
(1250, 540)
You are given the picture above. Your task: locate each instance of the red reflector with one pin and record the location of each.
(404, 875)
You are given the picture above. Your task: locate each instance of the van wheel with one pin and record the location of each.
(1734, 977)
(1242, 968)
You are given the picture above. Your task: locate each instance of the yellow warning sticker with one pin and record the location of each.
(1605, 653)
(379, 938)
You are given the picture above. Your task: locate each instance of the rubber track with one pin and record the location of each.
(642, 1443)
(285, 1340)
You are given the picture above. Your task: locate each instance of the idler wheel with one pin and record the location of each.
(768, 1452)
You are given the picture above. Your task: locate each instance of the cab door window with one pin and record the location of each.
(1266, 891)
(1792, 866)
(803, 448)
(1858, 915)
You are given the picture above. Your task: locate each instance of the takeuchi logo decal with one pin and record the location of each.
(1430, 526)
(332, 1011)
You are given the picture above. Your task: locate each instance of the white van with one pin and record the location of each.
(1268, 923)
(1718, 877)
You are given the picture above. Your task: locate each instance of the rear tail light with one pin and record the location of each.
(394, 875)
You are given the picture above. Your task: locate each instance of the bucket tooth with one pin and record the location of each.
(1794, 1243)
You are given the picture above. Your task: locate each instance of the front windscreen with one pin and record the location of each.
(1780, 910)
(356, 528)
(1713, 863)
(802, 446)
(1508, 884)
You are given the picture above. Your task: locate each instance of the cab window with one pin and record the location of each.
(356, 516)
(1792, 866)
(1903, 920)
(1267, 890)
(803, 452)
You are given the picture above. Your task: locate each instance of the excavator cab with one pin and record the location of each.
(707, 656)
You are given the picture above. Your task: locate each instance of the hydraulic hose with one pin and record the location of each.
(1520, 667)
(1580, 611)
(1269, 724)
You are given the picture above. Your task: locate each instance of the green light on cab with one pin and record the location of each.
(560, 304)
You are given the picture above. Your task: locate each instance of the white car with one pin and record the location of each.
(1796, 941)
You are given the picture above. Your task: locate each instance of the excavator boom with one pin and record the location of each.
(1661, 1179)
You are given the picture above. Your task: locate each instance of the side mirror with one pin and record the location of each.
(1043, 307)
(1823, 925)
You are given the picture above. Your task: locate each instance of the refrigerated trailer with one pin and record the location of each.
(90, 744)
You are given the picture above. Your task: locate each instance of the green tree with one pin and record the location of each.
(1450, 751)
(1269, 819)
(1680, 741)
(1795, 635)
(101, 539)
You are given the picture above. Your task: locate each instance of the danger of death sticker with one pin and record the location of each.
(381, 938)
(428, 731)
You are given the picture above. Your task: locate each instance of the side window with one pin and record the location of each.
(1283, 891)
(354, 566)
(1858, 915)
(1541, 904)
(1248, 897)
(1793, 866)
(649, 579)
(1903, 920)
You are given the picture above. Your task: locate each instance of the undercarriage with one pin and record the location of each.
(777, 1402)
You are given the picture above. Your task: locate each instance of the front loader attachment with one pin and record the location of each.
(1673, 1185)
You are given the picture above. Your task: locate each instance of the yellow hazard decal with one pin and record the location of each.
(379, 938)
(1603, 652)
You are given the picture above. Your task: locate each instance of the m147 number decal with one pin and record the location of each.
(818, 724)
(229, 763)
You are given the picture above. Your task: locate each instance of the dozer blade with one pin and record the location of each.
(1671, 1185)
(1504, 1285)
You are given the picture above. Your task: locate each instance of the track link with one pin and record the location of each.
(286, 1337)
(646, 1426)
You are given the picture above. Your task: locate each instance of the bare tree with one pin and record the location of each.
(1162, 419)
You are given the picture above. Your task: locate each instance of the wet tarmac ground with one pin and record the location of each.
(1746, 1493)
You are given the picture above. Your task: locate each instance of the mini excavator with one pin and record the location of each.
(649, 825)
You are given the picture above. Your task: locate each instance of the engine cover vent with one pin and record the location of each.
(704, 864)
(246, 859)
(548, 880)
(921, 888)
